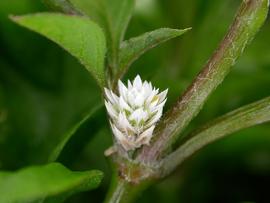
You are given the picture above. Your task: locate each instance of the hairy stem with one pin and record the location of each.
(244, 117)
(122, 191)
(250, 17)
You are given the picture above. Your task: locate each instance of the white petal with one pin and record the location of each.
(130, 86)
(132, 96)
(162, 95)
(109, 95)
(139, 100)
(150, 97)
(123, 104)
(139, 115)
(154, 119)
(146, 86)
(137, 83)
(147, 89)
(124, 124)
(153, 105)
(156, 90)
(122, 139)
(115, 97)
(111, 111)
(146, 136)
(122, 89)
(107, 92)
(161, 105)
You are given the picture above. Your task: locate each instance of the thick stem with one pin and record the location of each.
(250, 17)
(244, 117)
(118, 191)
(122, 191)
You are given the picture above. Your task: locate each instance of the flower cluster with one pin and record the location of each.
(135, 112)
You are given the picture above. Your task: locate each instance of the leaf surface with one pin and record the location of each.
(49, 181)
(133, 48)
(80, 36)
(112, 15)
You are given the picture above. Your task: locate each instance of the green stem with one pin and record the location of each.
(122, 191)
(118, 192)
(250, 17)
(244, 117)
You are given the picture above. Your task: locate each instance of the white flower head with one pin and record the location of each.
(135, 112)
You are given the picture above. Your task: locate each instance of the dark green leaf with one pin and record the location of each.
(59, 147)
(50, 181)
(112, 15)
(78, 35)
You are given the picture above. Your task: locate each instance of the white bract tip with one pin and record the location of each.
(135, 112)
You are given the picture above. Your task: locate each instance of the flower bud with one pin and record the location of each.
(135, 112)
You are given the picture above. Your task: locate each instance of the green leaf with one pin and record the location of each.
(133, 48)
(112, 15)
(244, 117)
(50, 181)
(61, 144)
(249, 19)
(61, 5)
(78, 35)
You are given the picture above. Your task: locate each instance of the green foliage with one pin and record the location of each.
(45, 94)
(64, 139)
(78, 35)
(133, 48)
(61, 5)
(112, 16)
(244, 117)
(249, 19)
(41, 183)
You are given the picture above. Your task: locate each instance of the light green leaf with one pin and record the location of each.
(78, 35)
(133, 48)
(244, 117)
(61, 144)
(37, 183)
(112, 15)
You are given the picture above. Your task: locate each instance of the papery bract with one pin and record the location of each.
(135, 112)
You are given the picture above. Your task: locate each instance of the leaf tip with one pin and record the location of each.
(186, 29)
(14, 17)
(96, 178)
(180, 32)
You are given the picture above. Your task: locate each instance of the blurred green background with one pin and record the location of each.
(44, 91)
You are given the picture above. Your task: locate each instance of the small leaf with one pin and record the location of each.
(61, 144)
(50, 181)
(247, 116)
(78, 35)
(112, 15)
(133, 48)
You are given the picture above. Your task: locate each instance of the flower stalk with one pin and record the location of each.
(122, 191)
(250, 17)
